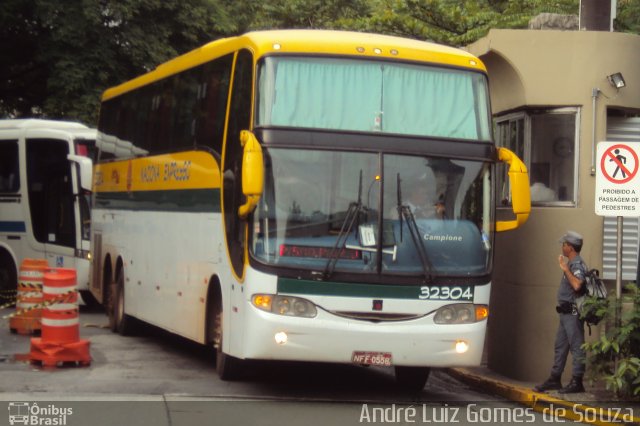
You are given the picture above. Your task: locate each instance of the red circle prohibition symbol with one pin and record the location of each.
(619, 164)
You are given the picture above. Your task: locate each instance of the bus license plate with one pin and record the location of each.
(372, 358)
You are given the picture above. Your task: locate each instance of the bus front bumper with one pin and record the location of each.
(330, 338)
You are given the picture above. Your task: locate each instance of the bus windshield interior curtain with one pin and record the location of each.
(353, 95)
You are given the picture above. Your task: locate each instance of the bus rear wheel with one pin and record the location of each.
(412, 378)
(119, 322)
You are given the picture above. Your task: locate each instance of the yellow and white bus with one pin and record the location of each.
(45, 177)
(305, 195)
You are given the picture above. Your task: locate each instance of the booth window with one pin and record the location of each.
(547, 141)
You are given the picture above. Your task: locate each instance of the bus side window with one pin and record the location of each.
(9, 172)
(51, 198)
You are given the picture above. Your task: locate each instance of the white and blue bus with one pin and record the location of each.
(305, 195)
(45, 178)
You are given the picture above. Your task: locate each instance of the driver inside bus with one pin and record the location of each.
(440, 208)
(419, 203)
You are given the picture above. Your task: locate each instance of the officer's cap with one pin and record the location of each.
(572, 238)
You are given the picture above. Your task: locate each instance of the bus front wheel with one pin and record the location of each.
(412, 378)
(227, 366)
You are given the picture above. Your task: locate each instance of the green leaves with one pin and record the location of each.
(628, 16)
(58, 57)
(327, 14)
(615, 357)
(623, 377)
(61, 56)
(458, 23)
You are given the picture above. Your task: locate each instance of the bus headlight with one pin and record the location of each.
(461, 346)
(284, 305)
(461, 313)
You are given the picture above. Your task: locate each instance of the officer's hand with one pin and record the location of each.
(563, 262)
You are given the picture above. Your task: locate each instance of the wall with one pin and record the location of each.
(548, 68)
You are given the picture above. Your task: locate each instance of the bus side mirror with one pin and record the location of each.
(85, 165)
(520, 192)
(252, 172)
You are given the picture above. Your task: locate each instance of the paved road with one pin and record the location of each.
(157, 378)
(157, 363)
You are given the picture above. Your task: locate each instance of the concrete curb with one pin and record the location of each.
(544, 403)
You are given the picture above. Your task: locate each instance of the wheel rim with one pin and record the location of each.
(120, 302)
(217, 331)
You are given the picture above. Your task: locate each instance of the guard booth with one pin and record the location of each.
(555, 95)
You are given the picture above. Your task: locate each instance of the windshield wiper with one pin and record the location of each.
(404, 212)
(351, 217)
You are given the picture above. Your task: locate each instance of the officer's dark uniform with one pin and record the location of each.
(570, 334)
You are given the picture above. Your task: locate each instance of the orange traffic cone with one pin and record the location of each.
(60, 341)
(28, 310)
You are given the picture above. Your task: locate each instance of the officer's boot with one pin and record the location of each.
(552, 383)
(574, 386)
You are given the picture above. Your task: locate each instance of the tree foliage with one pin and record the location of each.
(327, 14)
(628, 19)
(615, 357)
(459, 22)
(59, 56)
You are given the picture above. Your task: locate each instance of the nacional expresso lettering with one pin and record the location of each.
(179, 172)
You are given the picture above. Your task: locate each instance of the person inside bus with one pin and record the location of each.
(440, 208)
(8, 181)
(7, 184)
(418, 201)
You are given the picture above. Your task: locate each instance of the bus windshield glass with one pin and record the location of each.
(373, 213)
(373, 96)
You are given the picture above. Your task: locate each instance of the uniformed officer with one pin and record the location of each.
(570, 335)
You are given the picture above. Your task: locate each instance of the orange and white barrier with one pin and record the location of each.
(60, 336)
(29, 297)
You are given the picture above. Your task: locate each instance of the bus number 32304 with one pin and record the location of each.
(446, 293)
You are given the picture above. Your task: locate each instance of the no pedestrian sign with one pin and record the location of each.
(617, 179)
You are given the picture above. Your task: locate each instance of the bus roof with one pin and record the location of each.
(315, 42)
(34, 127)
(37, 123)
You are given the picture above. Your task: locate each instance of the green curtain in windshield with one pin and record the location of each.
(326, 95)
(366, 96)
(421, 101)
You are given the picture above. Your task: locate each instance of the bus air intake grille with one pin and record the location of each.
(376, 316)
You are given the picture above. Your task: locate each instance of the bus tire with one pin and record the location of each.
(119, 322)
(8, 273)
(227, 366)
(412, 378)
(89, 300)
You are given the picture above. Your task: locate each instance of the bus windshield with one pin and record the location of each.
(373, 213)
(368, 96)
